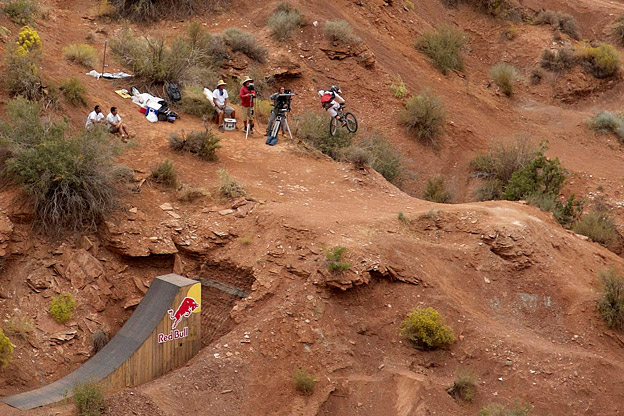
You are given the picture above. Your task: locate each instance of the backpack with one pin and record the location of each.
(327, 98)
(173, 91)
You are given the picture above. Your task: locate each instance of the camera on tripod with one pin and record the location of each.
(251, 86)
(282, 101)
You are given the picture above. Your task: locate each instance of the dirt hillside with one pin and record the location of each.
(518, 289)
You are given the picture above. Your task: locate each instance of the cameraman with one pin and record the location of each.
(247, 96)
(278, 103)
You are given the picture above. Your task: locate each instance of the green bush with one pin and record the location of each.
(164, 173)
(21, 12)
(443, 46)
(88, 399)
(436, 191)
(536, 76)
(541, 175)
(504, 75)
(605, 122)
(559, 21)
(203, 143)
(154, 10)
(565, 213)
(74, 92)
(516, 409)
(424, 117)
(284, 21)
(489, 190)
(81, 54)
(263, 110)
(464, 387)
(617, 30)
(69, 179)
(398, 88)
(195, 103)
(599, 227)
(245, 42)
(341, 31)
(304, 382)
(359, 157)
(190, 194)
(334, 260)
(611, 302)
(502, 160)
(21, 76)
(229, 188)
(602, 61)
(6, 350)
(375, 150)
(313, 130)
(62, 307)
(19, 326)
(424, 328)
(559, 60)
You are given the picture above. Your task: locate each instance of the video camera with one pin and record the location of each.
(251, 86)
(282, 101)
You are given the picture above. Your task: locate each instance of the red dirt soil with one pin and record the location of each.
(518, 290)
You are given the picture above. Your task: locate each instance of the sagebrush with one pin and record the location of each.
(559, 21)
(341, 31)
(313, 130)
(19, 326)
(74, 92)
(424, 116)
(602, 61)
(195, 103)
(504, 76)
(375, 150)
(244, 42)
(21, 12)
(89, 399)
(229, 187)
(153, 10)
(443, 47)
(81, 54)
(435, 191)
(464, 387)
(165, 173)
(424, 327)
(611, 301)
(304, 382)
(284, 21)
(599, 226)
(203, 143)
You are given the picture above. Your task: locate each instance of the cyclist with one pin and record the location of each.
(331, 101)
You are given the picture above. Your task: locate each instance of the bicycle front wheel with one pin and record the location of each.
(333, 126)
(352, 125)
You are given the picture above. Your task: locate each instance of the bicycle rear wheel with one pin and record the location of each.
(333, 126)
(352, 124)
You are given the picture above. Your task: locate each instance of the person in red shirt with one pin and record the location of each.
(247, 96)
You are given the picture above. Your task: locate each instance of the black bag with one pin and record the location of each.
(163, 116)
(173, 91)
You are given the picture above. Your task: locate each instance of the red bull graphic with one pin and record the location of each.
(185, 309)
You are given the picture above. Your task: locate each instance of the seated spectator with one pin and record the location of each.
(95, 117)
(115, 125)
(220, 99)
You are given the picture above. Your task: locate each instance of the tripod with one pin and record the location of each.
(251, 116)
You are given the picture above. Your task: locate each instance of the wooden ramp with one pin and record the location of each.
(163, 333)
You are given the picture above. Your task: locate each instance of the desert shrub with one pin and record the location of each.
(229, 187)
(424, 117)
(611, 301)
(502, 160)
(565, 213)
(19, 326)
(263, 110)
(504, 76)
(464, 387)
(333, 257)
(516, 409)
(559, 60)
(6, 350)
(89, 399)
(74, 92)
(375, 150)
(62, 307)
(599, 227)
(541, 175)
(304, 382)
(69, 179)
(443, 46)
(424, 328)
(195, 103)
(403, 218)
(21, 12)
(341, 31)
(398, 88)
(489, 190)
(435, 191)
(601, 61)
(605, 122)
(21, 72)
(28, 41)
(122, 173)
(536, 76)
(408, 5)
(99, 339)
(81, 54)
(511, 32)
(284, 21)
(153, 10)
(165, 173)
(203, 143)
(245, 42)
(617, 30)
(206, 48)
(313, 130)
(190, 194)
(559, 21)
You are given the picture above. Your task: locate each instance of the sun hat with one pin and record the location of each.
(247, 79)
(221, 82)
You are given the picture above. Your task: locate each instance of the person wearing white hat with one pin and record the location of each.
(247, 95)
(220, 99)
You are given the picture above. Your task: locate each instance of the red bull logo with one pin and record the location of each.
(185, 310)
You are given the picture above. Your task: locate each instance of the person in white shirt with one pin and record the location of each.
(95, 117)
(220, 100)
(333, 105)
(115, 125)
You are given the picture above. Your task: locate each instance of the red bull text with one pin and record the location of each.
(186, 308)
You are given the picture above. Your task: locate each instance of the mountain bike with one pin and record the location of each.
(343, 119)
